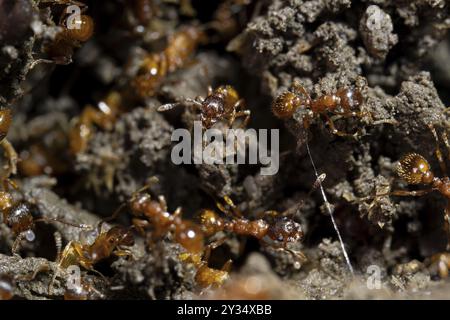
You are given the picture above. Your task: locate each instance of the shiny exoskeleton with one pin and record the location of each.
(103, 116)
(345, 102)
(107, 243)
(155, 66)
(278, 233)
(221, 104)
(72, 36)
(6, 287)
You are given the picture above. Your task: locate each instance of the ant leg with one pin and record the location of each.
(414, 193)
(123, 253)
(336, 131)
(399, 193)
(210, 90)
(212, 246)
(234, 210)
(163, 202)
(447, 225)
(246, 114)
(16, 244)
(11, 154)
(42, 268)
(438, 151)
(58, 243)
(178, 212)
(140, 225)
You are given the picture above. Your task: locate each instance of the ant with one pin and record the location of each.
(343, 103)
(104, 116)
(105, 244)
(414, 169)
(111, 242)
(149, 212)
(229, 17)
(277, 234)
(74, 33)
(20, 216)
(155, 66)
(223, 103)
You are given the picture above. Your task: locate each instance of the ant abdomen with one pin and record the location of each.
(189, 236)
(84, 30)
(285, 105)
(415, 169)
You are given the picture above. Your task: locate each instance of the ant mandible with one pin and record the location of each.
(223, 103)
(276, 234)
(20, 216)
(345, 102)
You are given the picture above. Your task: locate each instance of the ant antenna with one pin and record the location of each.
(318, 183)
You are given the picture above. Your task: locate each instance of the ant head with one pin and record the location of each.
(415, 169)
(213, 106)
(211, 222)
(285, 230)
(120, 236)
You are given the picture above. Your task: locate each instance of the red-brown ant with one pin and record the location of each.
(277, 234)
(223, 103)
(155, 66)
(345, 102)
